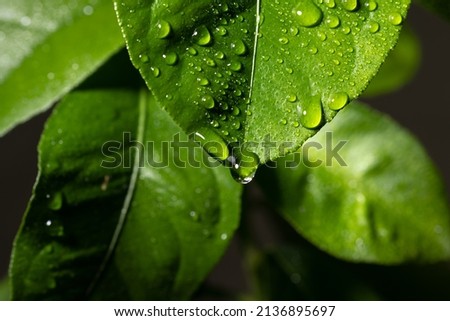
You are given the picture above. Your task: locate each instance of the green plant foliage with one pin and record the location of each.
(4, 290)
(399, 68)
(126, 229)
(239, 71)
(47, 48)
(377, 198)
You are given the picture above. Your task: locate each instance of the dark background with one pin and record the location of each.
(423, 106)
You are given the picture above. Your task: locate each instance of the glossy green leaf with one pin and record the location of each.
(441, 7)
(249, 71)
(4, 290)
(106, 224)
(399, 68)
(48, 47)
(365, 190)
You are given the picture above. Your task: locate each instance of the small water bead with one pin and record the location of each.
(203, 81)
(235, 66)
(164, 29)
(307, 14)
(208, 102)
(371, 5)
(330, 3)
(322, 36)
(170, 58)
(236, 111)
(395, 18)
(210, 62)
(338, 100)
(311, 113)
(215, 124)
(192, 51)
(283, 122)
(283, 40)
(219, 55)
(333, 22)
(239, 47)
(346, 30)
(144, 58)
(313, 50)
(221, 31)
(155, 71)
(350, 5)
(294, 31)
(291, 98)
(202, 36)
(212, 143)
(374, 27)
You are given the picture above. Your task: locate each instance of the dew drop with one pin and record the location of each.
(338, 101)
(332, 22)
(243, 164)
(374, 27)
(395, 18)
(212, 143)
(164, 29)
(283, 40)
(291, 98)
(192, 51)
(223, 236)
(307, 14)
(235, 66)
(208, 102)
(144, 58)
(311, 114)
(350, 5)
(194, 216)
(330, 3)
(221, 31)
(155, 71)
(371, 5)
(202, 36)
(239, 48)
(170, 58)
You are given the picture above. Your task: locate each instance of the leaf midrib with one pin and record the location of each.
(142, 106)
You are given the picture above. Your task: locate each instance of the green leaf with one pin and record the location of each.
(235, 80)
(441, 7)
(364, 190)
(399, 68)
(48, 47)
(4, 290)
(115, 226)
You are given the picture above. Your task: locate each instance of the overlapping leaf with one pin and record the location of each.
(118, 212)
(364, 190)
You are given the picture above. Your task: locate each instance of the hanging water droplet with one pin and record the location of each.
(243, 164)
(307, 14)
(202, 36)
(164, 29)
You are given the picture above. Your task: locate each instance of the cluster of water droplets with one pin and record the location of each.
(324, 32)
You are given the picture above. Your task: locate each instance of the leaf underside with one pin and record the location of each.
(222, 75)
(114, 226)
